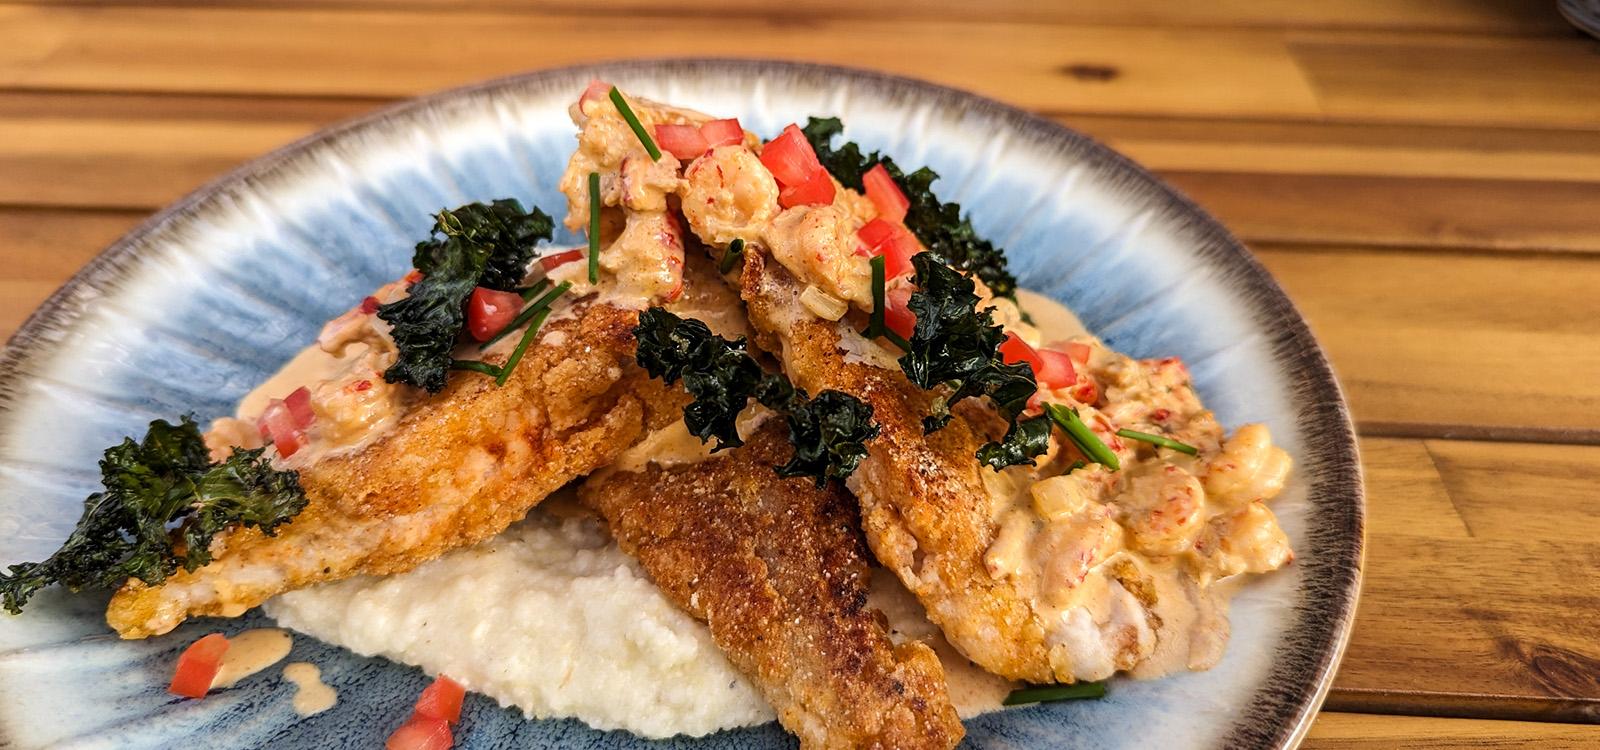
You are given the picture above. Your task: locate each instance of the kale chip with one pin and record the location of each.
(166, 480)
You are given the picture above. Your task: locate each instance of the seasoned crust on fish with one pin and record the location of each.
(925, 508)
(458, 468)
(778, 570)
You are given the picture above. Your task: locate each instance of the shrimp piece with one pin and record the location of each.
(1164, 510)
(818, 244)
(729, 195)
(1248, 541)
(1248, 469)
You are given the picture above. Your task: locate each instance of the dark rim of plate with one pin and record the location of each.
(1282, 709)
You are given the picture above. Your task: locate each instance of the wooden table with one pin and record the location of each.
(1423, 177)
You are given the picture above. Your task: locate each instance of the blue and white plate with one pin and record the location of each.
(210, 296)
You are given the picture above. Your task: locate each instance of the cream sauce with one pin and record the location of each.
(311, 694)
(972, 690)
(250, 652)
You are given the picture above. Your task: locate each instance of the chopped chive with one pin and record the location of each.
(875, 320)
(633, 122)
(522, 347)
(527, 314)
(528, 292)
(731, 255)
(1160, 440)
(1050, 693)
(1082, 436)
(475, 366)
(594, 223)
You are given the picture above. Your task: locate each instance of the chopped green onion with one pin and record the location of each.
(875, 321)
(594, 223)
(731, 255)
(528, 292)
(527, 314)
(522, 347)
(475, 366)
(633, 122)
(1082, 436)
(1160, 440)
(1050, 693)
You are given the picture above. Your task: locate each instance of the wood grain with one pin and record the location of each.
(1506, 343)
(1404, 186)
(1491, 16)
(1342, 731)
(1440, 78)
(1472, 605)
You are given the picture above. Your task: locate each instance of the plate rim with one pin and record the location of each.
(1295, 347)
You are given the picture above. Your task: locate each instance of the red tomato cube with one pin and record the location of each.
(897, 313)
(198, 666)
(722, 133)
(881, 189)
(790, 158)
(1055, 369)
(421, 733)
(818, 191)
(442, 700)
(683, 141)
(489, 311)
(299, 404)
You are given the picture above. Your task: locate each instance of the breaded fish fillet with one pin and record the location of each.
(778, 570)
(925, 508)
(458, 468)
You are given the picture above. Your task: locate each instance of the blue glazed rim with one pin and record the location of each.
(1281, 711)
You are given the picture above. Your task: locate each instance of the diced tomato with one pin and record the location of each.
(722, 133)
(556, 260)
(894, 242)
(818, 191)
(277, 423)
(299, 405)
(421, 733)
(890, 200)
(442, 700)
(790, 158)
(198, 666)
(413, 276)
(1014, 350)
(682, 141)
(897, 313)
(1078, 352)
(369, 305)
(598, 90)
(489, 311)
(1055, 369)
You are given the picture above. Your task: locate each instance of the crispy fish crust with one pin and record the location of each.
(778, 570)
(457, 469)
(926, 511)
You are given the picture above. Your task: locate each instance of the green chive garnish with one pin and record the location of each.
(875, 321)
(527, 293)
(633, 122)
(1050, 693)
(731, 255)
(1160, 440)
(594, 222)
(1082, 436)
(527, 314)
(475, 366)
(522, 347)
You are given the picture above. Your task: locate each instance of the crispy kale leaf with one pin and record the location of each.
(829, 432)
(168, 478)
(940, 226)
(717, 372)
(478, 244)
(957, 345)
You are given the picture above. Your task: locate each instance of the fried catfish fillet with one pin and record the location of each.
(777, 568)
(925, 507)
(458, 468)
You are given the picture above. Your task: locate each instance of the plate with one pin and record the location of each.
(207, 298)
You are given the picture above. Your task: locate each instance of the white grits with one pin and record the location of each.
(550, 617)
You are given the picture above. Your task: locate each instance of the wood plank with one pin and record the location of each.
(42, 248)
(1347, 731)
(1490, 345)
(1490, 16)
(1400, 211)
(1379, 185)
(1461, 612)
(1440, 78)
